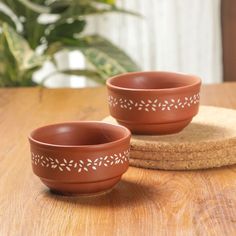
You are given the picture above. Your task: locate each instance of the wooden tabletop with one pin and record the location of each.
(145, 202)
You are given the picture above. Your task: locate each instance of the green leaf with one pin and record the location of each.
(110, 2)
(20, 49)
(108, 59)
(2, 67)
(34, 6)
(65, 30)
(59, 6)
(78, 10)
(9, 67)
(9, 73)
(54, 48)
(2, 57)
(32, 30)
(5, 18)
(35, 33)
(17, 8)
(87, 73)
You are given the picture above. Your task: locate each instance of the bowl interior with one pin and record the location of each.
(153, 80)
(79, 133)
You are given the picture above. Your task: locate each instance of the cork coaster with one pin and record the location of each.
(209, 141)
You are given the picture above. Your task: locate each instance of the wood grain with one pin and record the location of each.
(145, 202)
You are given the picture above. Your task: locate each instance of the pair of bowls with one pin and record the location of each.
(89, 158)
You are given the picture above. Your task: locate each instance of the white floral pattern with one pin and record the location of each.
(153, 105)
(86, 165)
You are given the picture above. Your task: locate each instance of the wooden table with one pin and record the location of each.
(145, 202)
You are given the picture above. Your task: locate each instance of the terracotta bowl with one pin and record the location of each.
(79, 158)
(154, 102)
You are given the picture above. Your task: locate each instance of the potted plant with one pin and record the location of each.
(26, 43)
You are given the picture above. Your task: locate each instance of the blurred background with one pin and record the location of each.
(71, 43)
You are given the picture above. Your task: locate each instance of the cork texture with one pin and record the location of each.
(209, 141)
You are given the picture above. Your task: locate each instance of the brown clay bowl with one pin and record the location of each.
(80, 158)
(154, 102)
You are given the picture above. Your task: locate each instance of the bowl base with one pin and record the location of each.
(156, 129)
(81, 189)
(97, 194)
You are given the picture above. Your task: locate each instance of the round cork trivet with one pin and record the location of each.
(209, 141)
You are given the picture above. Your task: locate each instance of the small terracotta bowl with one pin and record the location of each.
(154, 102)
(80, 158)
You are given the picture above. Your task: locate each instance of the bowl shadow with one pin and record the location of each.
(125, 192)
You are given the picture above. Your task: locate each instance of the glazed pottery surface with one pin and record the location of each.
(154, 102)
(77, 158)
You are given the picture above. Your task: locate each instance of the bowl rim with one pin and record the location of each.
(177, 89)
(127, 135)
